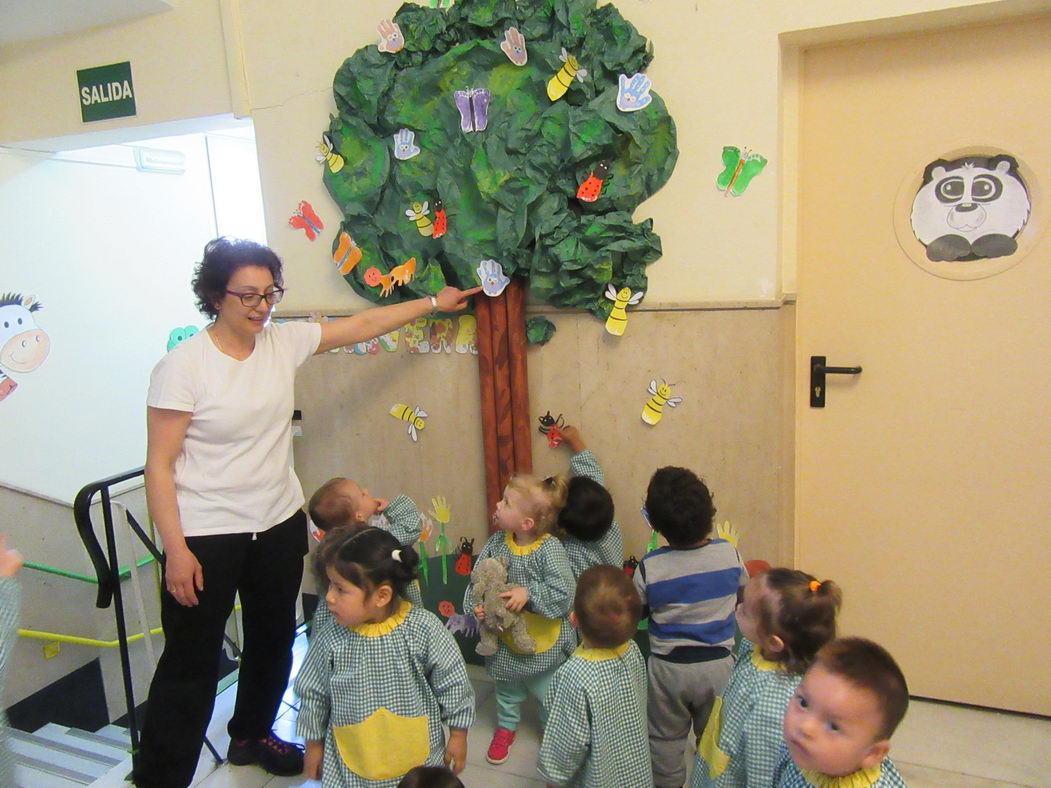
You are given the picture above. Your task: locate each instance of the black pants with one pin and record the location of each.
(266, 571)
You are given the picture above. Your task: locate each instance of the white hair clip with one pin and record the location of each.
(396, 555)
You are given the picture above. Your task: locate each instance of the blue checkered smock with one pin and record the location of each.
(378, 695)
(609, 548)
(742, 742)
(543, 568)
(595, 735)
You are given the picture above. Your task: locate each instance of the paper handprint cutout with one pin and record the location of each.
(391, 39)
(514, 46)
(473, 104)
(494, 282)
(405, 146)
(633, 93)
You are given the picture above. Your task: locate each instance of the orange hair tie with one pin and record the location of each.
(815, 585)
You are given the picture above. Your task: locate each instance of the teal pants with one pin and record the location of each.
(511, 694)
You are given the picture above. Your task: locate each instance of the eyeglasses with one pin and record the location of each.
(255, 299)
(646, 516)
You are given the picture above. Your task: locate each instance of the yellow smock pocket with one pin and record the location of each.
(384, 745)
(545, 632)
(708, 744)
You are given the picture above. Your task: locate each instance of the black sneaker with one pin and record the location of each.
(274, 755)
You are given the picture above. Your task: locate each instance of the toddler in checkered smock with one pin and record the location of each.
(342, 503)
(10, 601)
(784, 618)
(377, 687)
(539, 570)
(585, 525)
(839, 722)
(596, 733)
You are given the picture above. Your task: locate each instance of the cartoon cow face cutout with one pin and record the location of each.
(970, 208)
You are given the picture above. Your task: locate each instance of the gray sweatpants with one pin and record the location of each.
(680, 695)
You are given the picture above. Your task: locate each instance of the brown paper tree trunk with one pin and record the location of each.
(504, 381)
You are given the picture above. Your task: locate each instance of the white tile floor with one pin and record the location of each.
(937, 746)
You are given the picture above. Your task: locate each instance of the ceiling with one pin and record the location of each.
(29, 20)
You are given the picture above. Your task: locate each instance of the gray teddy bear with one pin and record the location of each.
(490, 580)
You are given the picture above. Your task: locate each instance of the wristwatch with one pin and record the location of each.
(434, 304)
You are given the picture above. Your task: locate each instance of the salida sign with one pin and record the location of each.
(106, 92)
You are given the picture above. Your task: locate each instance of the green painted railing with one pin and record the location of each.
(124, 573)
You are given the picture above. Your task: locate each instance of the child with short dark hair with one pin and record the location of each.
(430, 777)
(586, 526)
(542, 589)
(378, 685)
(785, 617)
(342, 503)
(595, 735)
(839, 723)
(690, 589)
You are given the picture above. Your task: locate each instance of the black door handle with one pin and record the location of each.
(818, 370)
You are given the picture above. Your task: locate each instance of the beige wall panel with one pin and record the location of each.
(725, 364)
(347, 430)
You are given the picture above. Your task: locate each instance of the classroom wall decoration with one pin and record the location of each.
(23, 344)
(524, 133)
(970, 208)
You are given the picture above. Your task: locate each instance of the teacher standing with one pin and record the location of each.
(227, 505)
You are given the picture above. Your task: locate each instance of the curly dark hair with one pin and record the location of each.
(223, 256)
(679, 506)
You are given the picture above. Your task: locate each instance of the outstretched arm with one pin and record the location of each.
(380, 320)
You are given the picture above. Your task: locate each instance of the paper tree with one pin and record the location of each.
(504, 159)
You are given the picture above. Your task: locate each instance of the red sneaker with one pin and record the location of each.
(500, 746)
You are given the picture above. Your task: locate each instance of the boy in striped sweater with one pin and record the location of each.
(689, 590)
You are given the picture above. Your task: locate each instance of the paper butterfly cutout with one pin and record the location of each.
(633, 93)
(391, 39)
(347, 253)
(306, 220)
(473, 104)
(739, 167)
(514, 46)
(494, 282)
(405, 146)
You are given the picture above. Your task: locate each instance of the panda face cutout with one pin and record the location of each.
(970, 208)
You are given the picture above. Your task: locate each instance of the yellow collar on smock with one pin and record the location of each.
(388, 624)
(517, 549)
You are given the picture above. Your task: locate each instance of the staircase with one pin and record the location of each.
(58, 757)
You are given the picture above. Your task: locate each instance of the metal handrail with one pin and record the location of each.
(107, 570)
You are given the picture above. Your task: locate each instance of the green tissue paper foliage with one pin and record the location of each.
(539, 330)
(509, 191)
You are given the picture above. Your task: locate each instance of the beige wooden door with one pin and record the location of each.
(924, 485)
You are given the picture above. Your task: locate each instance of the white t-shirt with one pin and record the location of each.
(233, 475)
